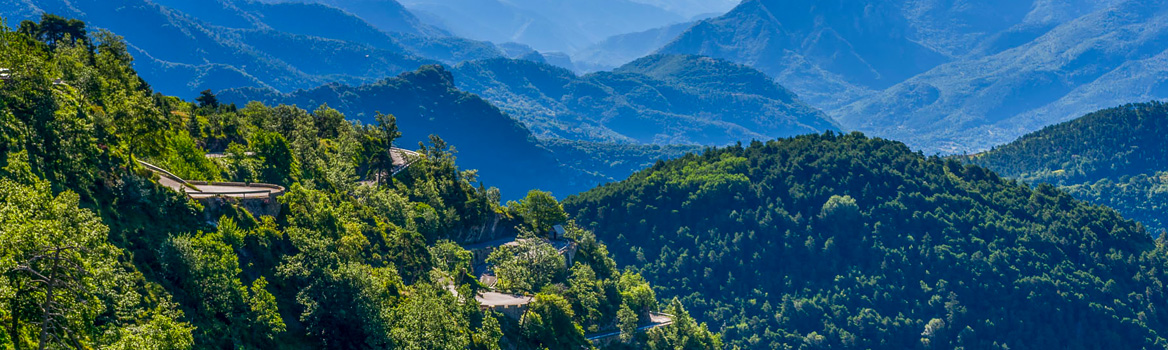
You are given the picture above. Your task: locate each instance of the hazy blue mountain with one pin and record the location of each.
(506, 155)
(618, 50)
(1106, 58)
(546, 25)
(284, 46)
(945, 75)
(426, 102)
(656, 100)
(828, 51)
(387, 15)
(693, 8)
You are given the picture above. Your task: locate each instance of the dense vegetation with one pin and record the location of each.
(1114, 157)
(658, 99)
(841, 241)
(98, 255)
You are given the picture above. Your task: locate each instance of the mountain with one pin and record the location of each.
(657, 100)
(387, 15)
(504, 152)
(842, 241)
(546, 25)
(224, 43)
(946, 76)
(1106, 58)
(693, 8)
(618, 50)
(102, 251)
(1124, 165)
(426, 102)
(827, 51)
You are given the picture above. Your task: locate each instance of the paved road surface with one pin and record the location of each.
(655, 320)
(501, 299)
(200, 191)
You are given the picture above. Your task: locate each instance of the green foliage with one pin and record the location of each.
(264, 311)
(277, 165)
(1119, 167)
(548, 323)
(526, 266)
(849, 242)
(683, 334)
(342, 266)
(62, 284)
(541, 211)
(450, 257)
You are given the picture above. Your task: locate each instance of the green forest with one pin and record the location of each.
(1116, 157)
(844, 241)
(98, 254)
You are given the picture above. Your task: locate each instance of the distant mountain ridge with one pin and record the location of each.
(229, 43)
(502, 151)
(658, 99)
(547, 25)
(947, 76)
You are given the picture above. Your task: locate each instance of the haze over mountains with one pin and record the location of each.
(556, 25)
(941, 77)
(226, 43)
(655, 100)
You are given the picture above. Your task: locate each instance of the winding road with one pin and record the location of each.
(204, 189)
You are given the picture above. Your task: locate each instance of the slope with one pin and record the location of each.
(1124, 165)
(828, 52)
(1106, 58)
(546, 25)
(99, 254)
(840, 241)
(658, 99)
(618, 50)
(426, 102)
(243, 43)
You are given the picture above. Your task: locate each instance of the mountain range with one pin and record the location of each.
(946, 76)
(659, 99)
(546, 25)
(500, 149)
(222, 44)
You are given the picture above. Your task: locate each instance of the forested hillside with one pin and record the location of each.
(658, 99)
(842, 241)
(1116, 157)
(98, 254)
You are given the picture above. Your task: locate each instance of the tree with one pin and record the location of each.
(207, 99)
(429, 319)
(53, 29)
(548, 323)
(265, 314)
(379, 145)
(60, 274)
(54, 259)
(683, 334)
(627, 322)
(527, 265)
(277, 163)
(541, 211)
